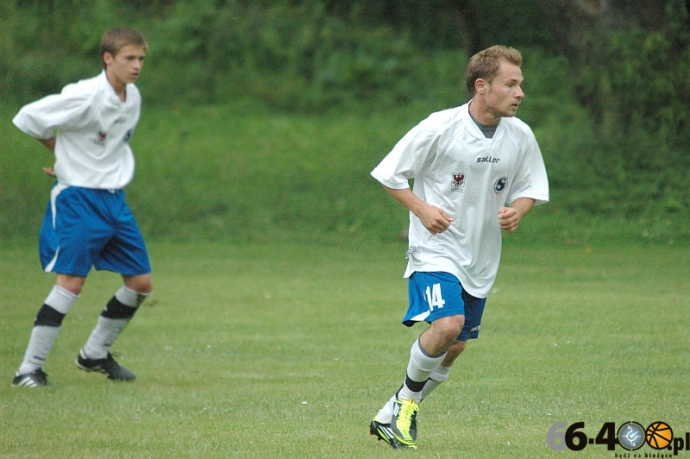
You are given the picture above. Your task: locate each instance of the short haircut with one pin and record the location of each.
(115, 39)
(485, 64)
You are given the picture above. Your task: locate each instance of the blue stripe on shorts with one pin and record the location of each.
(85, 228)
(434, 295)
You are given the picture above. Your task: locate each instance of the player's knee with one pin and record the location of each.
(73, 284)
(450, 327)
(457, 347)
(145, 289)
(140, 284)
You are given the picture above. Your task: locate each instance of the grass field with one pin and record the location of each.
(286, 350)
(244, 172)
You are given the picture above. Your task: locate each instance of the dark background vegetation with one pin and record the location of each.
(607, 83)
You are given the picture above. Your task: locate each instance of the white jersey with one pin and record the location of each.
(93, 131)
(457, 169)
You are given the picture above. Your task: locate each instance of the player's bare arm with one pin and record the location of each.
(434, 219)
(509, 217)
(50, 145)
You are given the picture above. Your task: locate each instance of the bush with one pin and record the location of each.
(613, 127)
(634, 85)
(294, 57)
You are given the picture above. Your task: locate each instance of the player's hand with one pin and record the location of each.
(434, 219)
(49, 171)
(508, 219)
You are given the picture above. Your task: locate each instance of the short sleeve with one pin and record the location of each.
(66, 110)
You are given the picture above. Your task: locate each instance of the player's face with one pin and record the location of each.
(504, 94)
(126, 65)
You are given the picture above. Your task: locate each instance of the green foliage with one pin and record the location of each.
(295, 57)
(439, 24)
(635, 85)
(268, 116)
(46, 45)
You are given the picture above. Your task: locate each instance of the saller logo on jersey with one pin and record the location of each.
(458, 182)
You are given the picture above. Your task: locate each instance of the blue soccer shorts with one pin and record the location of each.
(85, 228)
(434, 295)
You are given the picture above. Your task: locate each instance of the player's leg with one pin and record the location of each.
(125, 253)
(60, 251)
(436, 378)
(441, 373)
(428, 353)
(46, 329)
(435, 298)
(474, 310)
(421, 365)
(436, 338)
(116, 315)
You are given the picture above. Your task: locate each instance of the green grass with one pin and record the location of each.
(262, 350)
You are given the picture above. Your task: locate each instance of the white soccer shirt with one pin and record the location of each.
(457, 169)
(93, 131)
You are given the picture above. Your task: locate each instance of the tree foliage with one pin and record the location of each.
(607, 80)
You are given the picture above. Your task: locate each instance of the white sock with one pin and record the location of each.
(40, 344)
(437, 377)
(129, 297)
(419, 368)
(102, 337)
(108, 329)
(42, 336)
(385, 414)
(61, 300)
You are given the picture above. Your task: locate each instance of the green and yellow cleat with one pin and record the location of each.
(404, 423)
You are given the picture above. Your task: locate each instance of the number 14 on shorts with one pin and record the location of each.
(434, 297)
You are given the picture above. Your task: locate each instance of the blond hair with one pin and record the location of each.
(485, 64)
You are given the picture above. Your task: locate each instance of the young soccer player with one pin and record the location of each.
(477, 170)
(87, 222)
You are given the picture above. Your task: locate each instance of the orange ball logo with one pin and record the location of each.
(659, 435)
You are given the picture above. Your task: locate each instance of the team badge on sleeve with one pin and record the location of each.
(501, 185)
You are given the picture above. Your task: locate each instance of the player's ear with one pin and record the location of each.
(108, 58)
(480, 85)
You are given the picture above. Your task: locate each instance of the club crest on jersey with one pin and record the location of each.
(500, 185)
(458, 182)
(101, 136)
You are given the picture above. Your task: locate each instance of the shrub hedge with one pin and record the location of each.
(613, 125)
